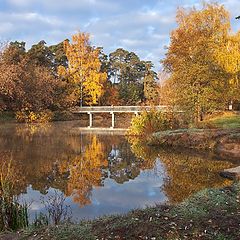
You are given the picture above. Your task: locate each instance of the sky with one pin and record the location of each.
(141, 26)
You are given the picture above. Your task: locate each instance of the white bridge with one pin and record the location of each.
(115, 109)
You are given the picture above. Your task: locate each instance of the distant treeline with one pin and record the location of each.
(71, 73)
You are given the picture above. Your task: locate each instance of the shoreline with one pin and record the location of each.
(221, 142)
(208, 214)
(224, 144)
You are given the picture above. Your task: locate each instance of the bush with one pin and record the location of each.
(28, 116)
(153, 121)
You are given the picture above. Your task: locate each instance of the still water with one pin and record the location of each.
(99, 173)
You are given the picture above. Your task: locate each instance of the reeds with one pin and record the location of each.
(13, 215)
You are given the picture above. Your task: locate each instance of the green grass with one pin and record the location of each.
(7, 116)
(226, 121)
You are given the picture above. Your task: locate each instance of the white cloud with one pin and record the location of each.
(137, 25)
(63, 5)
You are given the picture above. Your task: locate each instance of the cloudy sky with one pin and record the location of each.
(142, 26)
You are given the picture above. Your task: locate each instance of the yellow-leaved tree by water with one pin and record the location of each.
(84, 69)
(200, 60)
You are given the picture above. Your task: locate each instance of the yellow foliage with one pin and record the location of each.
(25, 115)
(84, 69)
(200, 59)
(228, 56)
(85, 171)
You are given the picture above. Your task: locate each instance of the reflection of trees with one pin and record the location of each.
(85, 171)
(123, 164)
(187, 173)
(55, 156)
(147, 154)
(190, 173)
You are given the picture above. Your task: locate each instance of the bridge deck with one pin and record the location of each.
(102, 131)
(115, 109)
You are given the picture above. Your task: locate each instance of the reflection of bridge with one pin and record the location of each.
(115, 109)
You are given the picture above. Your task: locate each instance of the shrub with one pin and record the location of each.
(28, 116)
(153, 121)
(58, 211)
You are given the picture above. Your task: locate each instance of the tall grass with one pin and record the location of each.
(13, 215)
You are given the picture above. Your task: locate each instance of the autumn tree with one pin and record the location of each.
(228, 56)
(84, 69)
(198, 79)
(25, 85)
(111, 95)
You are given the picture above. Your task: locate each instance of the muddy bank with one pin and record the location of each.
(231, 173)
(223, 143)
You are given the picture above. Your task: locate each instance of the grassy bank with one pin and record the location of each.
(219, 134)
(225, 120)
(224, 143)
(209, 214)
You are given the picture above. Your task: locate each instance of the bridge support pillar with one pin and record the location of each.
(90, 120)
(136, 113)
(113, 119)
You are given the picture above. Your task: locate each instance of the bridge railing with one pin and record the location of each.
(118, 108)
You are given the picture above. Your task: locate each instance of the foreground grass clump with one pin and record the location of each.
(13, 215)
(209, 214)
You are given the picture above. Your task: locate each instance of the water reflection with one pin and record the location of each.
(100, 173)
(187, 172)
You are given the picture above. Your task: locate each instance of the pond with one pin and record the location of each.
(99, 173)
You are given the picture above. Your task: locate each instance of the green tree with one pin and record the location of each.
(150, 86)
(127, 72)
(48, 56)
(40, 54)
(13, 52)
(59, 57)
